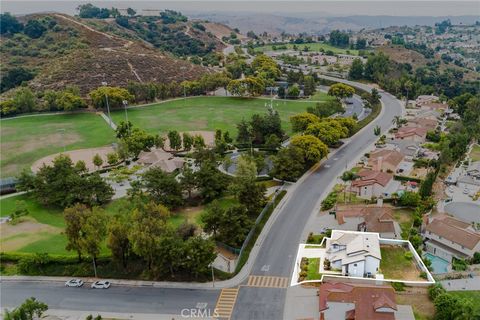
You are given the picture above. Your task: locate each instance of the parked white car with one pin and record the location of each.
(101, 285)
(74, 283)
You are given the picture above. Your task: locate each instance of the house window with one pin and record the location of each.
(439, 237)
(354, 264)
(463, 247)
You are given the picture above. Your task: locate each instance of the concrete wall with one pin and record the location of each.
(371, 265)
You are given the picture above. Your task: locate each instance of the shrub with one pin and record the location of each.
(398, 286)
(408, 255)
(435, 290)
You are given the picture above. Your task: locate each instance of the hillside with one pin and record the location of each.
(72, 52)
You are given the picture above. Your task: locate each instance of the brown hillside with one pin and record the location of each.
(87, 57)
(220, 30)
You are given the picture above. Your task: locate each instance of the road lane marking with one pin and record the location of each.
(267, 282)
(226, 302)
(265, 267)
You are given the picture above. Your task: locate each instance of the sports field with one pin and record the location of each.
(26, 139)
(207, 113)
(312, 47)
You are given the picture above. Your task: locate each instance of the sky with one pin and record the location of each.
(307, 8)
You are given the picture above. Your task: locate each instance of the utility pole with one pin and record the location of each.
(213, 276)
(184, 89)
(104, 83)
(94, 266)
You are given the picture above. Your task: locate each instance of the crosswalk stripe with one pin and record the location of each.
(226, 302)
(267, 282)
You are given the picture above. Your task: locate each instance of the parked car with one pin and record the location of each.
(74, 283)
(101, 284)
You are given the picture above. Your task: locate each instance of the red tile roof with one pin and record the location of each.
(367, 299)
(369, 177)
(410, 131)
(377, 219)
(390, 156)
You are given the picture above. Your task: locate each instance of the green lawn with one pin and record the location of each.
(475, 153)
(206, 113)
(320, 96)
(404, 217)
(50, 216)
(313, 47)
(395, 265)
(473, 296)
(313, 267)
(25, 140)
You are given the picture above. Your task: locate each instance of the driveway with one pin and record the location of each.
(466, 211)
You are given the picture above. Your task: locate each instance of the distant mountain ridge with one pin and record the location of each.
(312, 23)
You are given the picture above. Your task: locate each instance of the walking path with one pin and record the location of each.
(109, 121)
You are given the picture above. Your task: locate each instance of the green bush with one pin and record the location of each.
(435, 290)
(408, 255)
(398, 286)
(330, 201)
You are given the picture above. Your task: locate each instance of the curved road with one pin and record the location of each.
(275, 254)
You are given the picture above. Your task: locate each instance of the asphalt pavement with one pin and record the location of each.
(276, 253)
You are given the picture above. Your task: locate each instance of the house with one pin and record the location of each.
(371, 183)
(412, 134)
(408, 148)
(160, 158)
(347, 301)
(448, 237)
(385, 160)
(471, 179)
(429, 124)
(356, 254)
(423, 99)
(369, 219)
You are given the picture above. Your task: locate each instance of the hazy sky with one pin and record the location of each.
(319, 7)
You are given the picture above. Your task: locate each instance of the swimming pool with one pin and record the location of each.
(439, 265)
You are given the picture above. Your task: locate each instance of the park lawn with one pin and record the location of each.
(396, 266)
(475, 153)
(473, 296)
(27, 139)
(312, 47)
(207, 113)
(49, 216)
(320, 96)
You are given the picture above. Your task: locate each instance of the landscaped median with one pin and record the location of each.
(360, 256)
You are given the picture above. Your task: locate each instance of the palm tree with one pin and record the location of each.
(397, 121)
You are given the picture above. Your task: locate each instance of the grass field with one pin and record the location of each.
(27, 139)
(206, 113)
(312, 47)
(404, 217)
(320, 96)
(396, 266)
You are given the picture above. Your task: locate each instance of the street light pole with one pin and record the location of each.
(108, 107)
(63, 138)
(125, 103)
(184, 89)
(213, 276)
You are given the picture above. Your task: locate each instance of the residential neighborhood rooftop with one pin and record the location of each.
(454, 230)
(368, 177)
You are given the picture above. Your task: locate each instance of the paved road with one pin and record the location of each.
(280, 246)
(275, 257)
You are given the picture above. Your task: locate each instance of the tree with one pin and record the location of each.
(409, 199)
(328, 131)
(339, 39)
(122, 21)
(69, 101)
(273, 142)
(199, 255)
(74, 217)
(188, 180)
(313, 149)
(356, 70)
(293, 91)
(288, 164)
(445, 305)
(187, 141)
(302, 120)
(341, 91)
(24, 100)
(93, 232)
(251, 195)
(326, 109)
(174, 140)
(211, 182)
(9, 24)
(131, 12)
(212, 217)
(97, 161)
(28, 310)
(377, 131)
(234, 226)
(198, 142)
(117, 240)
(149, 222)
(34, 29)
(114, 95)
(124, 129)
(139, 140)
(243, 132)
(112, 158)
(309, 85)
(14, 77)
(162, 187)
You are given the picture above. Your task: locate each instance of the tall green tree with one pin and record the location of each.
(356, 70)
(30, 309)
(199, 255)
(117, 240)
(289, 163)
(162, 187)
(74, 217)
(174, 140)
